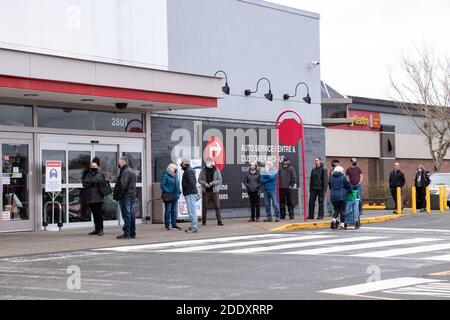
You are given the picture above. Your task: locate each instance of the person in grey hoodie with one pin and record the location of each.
(253, 185)
(210, 179)
(287, 183)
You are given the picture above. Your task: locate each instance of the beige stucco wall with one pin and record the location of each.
(350, 143)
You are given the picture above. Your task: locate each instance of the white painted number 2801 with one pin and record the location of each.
(119, 122)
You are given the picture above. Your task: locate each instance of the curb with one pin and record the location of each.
(326, 224)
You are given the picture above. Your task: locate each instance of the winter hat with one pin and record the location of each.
(339, 169)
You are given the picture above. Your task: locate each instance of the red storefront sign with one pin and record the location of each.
(362, 120)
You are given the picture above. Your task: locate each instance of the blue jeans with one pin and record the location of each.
(192, 210)
(129, 221)
(268, 195)
(359, 188)
(170, 213)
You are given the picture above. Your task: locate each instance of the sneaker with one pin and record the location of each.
(204, 223)
(277, 220)
(342, 226)
(257, 220)
(168, 229)
(220, 223)
(100, 233)
(123, 237)
(93, 233)
(267, 220)
(176, 228)
(190, 230)
(133, 236)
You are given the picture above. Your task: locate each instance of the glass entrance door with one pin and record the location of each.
(76, 158)
(16, 214)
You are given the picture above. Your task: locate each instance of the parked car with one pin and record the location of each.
(438, 180)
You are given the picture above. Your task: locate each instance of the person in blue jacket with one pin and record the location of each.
(170, 186)
(339, 187)
(268, 180)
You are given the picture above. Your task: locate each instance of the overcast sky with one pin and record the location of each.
(362, 39)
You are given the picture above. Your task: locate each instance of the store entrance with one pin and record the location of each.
(15, 201)
(75, 153)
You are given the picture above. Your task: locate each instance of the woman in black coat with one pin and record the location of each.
(93, 180)
(421, 182)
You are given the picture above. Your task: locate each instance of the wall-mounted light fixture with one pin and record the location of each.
(269, 95)
(226, 88)
(307, 99)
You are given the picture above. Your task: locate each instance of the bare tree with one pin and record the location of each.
(423, 93)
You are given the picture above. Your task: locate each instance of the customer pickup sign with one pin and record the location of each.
(53, 176)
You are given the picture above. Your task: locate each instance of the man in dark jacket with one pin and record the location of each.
(287, 184)
(396, 180)
(125, 194)
(421, 182)
(189, 186)
(317, 188)
(210, 179)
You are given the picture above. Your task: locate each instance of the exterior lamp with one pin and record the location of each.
(307, 99)
(268, 96)
(226, 87)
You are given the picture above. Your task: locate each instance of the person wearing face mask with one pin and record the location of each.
(189, 188)
(210, 179)
(287, 184)
(93, 180)
(252, 183)
(421, 182)
(269, 182)
(355, 177)
(317, 188)
(170, 186)
(396, 180)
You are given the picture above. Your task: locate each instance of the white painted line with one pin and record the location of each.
(190, 242)
(403, 251)
(379, 286)
(50, 257)
(407, 229)
(243, 244)
(360, 246)
(439, 258)
(300, 244)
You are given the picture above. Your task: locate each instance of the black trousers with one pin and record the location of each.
(313, 195)
(420, 196)
(394, 196)
(97, 213)
(255, 205)
(339, 210)
(286, 199)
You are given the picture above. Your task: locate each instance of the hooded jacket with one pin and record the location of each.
(288, 178)
(216, 182)
(339, 186)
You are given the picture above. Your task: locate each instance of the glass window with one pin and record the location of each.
(121, 122)
(15, 185)
(57, 155)
(79, 161)
(65, 118)
(135, 162)
(53, 217)
(16, 115)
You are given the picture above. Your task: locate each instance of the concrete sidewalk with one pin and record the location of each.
(24, 243)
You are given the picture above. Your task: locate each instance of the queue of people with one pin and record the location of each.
(276, 186)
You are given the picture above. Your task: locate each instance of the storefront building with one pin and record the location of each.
(377, 132)
(73, 87)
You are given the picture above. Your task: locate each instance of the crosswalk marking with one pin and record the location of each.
(301, 244)
(191, 242)
(439, 258)
(362, 246)
(403, 251)
(243, 244)
(378, 286)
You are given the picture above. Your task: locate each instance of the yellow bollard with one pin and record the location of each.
(413, 201)
(399, 200)
(428, 200)
(441, 199)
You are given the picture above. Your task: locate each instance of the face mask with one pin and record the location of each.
(285, 165)
(209, 165)
(333, 165)
(354, 163)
